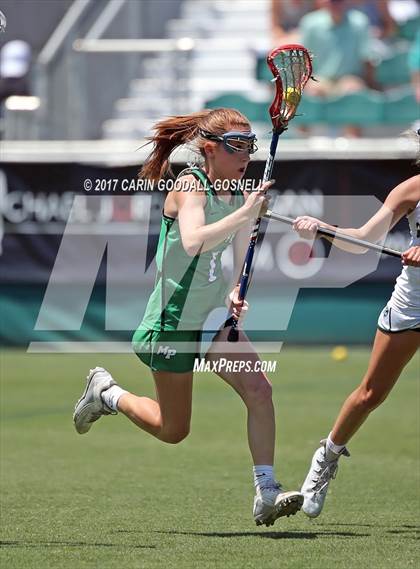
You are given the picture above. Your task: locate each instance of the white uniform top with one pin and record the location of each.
(406, 295)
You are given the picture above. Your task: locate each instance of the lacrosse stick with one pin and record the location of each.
(337, 235)
(292, 68)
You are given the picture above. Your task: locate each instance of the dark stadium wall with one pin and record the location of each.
(36, 200)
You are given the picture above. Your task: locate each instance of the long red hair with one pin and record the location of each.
(177, 130)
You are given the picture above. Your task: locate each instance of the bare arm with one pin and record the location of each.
(401, 200)
(196, 235)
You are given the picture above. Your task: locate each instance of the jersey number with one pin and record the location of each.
(212, 276)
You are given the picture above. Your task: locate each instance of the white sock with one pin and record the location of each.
(263, 476)
(332, 451)
(111, 396)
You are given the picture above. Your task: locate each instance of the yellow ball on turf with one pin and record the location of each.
(339, 353)
(291, 96)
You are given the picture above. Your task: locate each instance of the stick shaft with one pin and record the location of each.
(338, 235)
(246, 267)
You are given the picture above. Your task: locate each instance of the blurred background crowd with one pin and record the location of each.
(358, 45)
(93, 69)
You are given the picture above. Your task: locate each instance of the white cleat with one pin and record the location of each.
(273, 502)
(320, 474)
(90, 406)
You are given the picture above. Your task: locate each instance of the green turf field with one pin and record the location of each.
(116, 498)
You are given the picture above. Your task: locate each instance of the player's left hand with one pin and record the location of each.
(237, 307)
(306, 226)
(412, 256)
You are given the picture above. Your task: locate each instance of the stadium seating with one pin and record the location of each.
(256, 111)
(364, 108)
(311, 111)
(369, 109)
(401, 108)
(394, 69)
(262, 72)
(221, 63)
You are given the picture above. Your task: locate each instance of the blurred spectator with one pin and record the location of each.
(382, 23)
(339, 39)
(285, 18)
(414, 65)
(15, 59)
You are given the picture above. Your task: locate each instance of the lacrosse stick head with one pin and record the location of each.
(291, 67)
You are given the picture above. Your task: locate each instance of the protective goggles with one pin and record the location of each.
(234, 141)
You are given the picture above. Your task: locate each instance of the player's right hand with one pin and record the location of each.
(306, 226)
(257, 201)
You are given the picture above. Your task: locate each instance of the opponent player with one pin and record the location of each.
(198, 223)
(397, 338)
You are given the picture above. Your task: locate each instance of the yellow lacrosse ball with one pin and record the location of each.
(339, 353)
(291, 96)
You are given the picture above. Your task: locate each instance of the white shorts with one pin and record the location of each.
(391, 320)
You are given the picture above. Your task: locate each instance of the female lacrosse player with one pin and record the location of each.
(397, 338)
(198, 223)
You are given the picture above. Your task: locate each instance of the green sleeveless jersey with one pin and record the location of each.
(188, 288)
